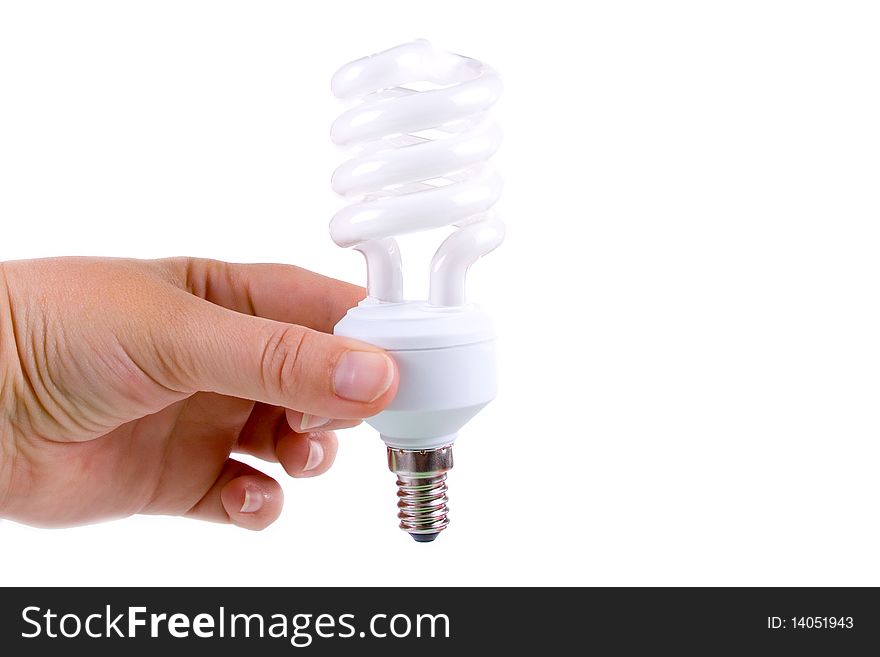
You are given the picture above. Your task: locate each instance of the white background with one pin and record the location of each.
(687, 298)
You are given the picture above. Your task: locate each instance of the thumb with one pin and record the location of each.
(210, 348)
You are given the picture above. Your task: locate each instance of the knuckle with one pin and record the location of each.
(280, 364)
(174, 269)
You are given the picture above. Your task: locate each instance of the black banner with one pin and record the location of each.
(288, 621)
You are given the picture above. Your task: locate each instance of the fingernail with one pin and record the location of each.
(363, 376)
(316, 455)
(312, 422)
(253, 500)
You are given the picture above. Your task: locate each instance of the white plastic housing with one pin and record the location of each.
(446, 359)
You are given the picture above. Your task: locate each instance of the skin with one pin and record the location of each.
(125, 386)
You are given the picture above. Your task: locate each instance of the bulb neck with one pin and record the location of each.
(420, 462)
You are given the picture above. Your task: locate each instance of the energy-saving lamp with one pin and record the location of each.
(421, 138)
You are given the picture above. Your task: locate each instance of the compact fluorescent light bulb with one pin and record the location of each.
(422, 138)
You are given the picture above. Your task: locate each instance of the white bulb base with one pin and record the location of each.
(446, 361)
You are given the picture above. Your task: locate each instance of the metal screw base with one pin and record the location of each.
(421, 490)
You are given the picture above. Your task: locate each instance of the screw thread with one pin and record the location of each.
(421, 489)
(423, 503)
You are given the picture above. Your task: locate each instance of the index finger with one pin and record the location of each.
(285, 293)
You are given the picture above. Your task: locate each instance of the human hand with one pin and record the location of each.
(126, 384)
